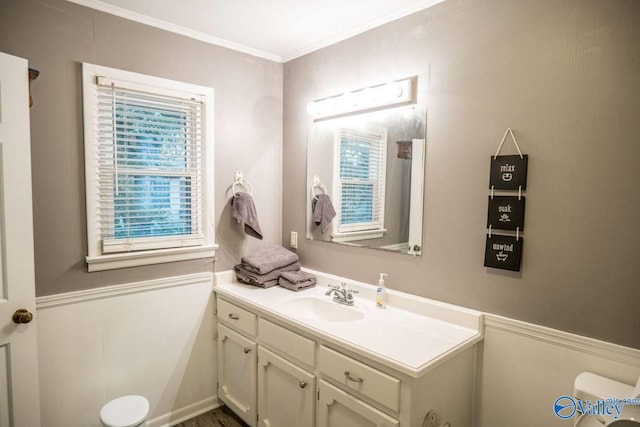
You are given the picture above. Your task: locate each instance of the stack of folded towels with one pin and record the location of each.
(273, 266)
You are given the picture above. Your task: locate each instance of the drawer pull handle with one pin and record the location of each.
(246, 350)
(303, 384)
(233, 316)
(352, 378)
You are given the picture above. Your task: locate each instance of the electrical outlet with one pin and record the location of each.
(293, 240)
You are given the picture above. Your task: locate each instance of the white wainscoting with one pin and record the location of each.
(153, 338)
(524, 368)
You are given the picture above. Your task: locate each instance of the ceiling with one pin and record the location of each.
(279, 30)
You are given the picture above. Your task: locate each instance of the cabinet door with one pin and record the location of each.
(337, 408)
(286, 392)
(237, 362)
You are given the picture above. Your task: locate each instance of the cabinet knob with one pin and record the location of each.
(246, 350)
(233, 316)
(303, 384)
(352, 378)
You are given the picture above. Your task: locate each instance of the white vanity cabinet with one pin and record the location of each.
(305, 376)
(237, 360)
(237, 373)
(286, 392)
(260, 386)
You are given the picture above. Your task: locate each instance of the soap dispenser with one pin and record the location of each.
(381, 292)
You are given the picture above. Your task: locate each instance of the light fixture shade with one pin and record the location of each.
(391, 94)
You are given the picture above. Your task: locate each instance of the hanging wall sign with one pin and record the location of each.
(503, 252)
(506, 213)
(509, 172)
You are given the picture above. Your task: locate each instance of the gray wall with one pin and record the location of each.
(565, 76)
(56, 37)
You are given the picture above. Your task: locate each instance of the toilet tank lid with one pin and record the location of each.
(589, 386)
(125, 411)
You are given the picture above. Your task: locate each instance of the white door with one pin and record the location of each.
(415, 202)
(237, 376)
(286, 393)
(337, 408)
(19, 392)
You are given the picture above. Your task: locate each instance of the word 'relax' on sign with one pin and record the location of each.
(506, 213)
(509, 172)
(503, 252)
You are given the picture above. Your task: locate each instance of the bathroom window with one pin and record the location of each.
(149, 169)
(360, 172)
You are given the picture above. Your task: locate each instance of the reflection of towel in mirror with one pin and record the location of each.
(244, 211)
(263, 280)
(323, 211)
(296, 280)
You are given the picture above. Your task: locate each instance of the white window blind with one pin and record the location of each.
(361, 183)
(150, 167)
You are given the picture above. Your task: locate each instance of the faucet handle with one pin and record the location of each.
(352, 291)
(334, 286)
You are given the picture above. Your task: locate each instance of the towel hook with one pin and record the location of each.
(319, 185)
(239, 180)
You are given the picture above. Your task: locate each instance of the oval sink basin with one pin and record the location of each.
(314, 307)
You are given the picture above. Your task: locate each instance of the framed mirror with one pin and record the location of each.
(370, 169)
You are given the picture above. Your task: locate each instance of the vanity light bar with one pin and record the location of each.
(391, 94)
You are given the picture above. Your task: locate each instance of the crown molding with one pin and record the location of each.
(177, 29)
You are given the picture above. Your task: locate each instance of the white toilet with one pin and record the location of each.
(592, 387)
(125, 411)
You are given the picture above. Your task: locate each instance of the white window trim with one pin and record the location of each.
(96, 260)
(360, 231)
(352, 236)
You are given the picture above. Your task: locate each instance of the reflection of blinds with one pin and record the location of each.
(150, 168)
(362, 166)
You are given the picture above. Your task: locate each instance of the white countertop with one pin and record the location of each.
(412, 335)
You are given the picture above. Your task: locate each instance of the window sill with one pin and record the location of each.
(357, 235)
(133, 259)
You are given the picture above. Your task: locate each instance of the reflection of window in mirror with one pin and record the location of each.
(359, 177)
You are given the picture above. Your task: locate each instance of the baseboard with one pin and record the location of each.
(183, 414)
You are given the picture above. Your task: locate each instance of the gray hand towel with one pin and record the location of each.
(244, 211)
(298, 276)
(263, 280)
(323, 211)
(296, 286)
(265, 260)
(296, 280)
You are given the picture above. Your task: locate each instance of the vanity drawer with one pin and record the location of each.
(357, 376)
(287, 342)
(236, 317)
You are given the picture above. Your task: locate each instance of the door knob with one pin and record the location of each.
(22, 315)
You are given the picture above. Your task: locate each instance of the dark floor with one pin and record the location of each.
(219, 417)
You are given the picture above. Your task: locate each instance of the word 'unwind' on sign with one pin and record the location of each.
(509, 172)
(504, 252)
(506, 213)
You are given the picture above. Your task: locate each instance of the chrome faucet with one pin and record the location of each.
(341, 294)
